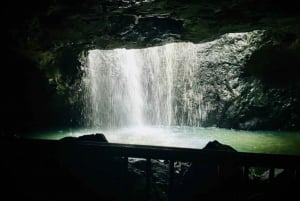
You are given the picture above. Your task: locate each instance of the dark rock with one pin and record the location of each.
(250, 124)
(217, 146)
(98, 137)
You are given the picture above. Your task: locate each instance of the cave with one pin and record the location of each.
(164, 73)
(230, 65)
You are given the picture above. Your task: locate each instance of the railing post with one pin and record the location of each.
(171, 180)
(291, 175)
(148, 179)
(246, 174)
(124, 177)
(220, 172)
(272, 173)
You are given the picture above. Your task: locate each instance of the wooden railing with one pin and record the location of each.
(172, 154)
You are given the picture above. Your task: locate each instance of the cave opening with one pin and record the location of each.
(196, 100)
(179, 94)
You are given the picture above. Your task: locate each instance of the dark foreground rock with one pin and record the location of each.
(98, 137)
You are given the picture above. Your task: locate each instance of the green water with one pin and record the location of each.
(276, 142)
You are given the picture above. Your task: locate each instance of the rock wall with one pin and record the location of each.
(270, 98)
(42, 43)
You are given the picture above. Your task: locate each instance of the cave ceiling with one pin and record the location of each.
(110, 24)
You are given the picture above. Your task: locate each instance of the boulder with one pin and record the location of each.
(98, 137)
(217, 146)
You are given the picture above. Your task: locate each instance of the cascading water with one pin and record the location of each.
(163, 95)
(164, 85)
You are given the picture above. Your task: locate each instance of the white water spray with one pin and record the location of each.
(164, 85)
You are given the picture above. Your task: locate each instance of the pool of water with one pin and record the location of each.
(277, 142)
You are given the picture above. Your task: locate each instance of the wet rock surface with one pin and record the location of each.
(44, 41)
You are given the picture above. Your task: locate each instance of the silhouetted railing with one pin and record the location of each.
(172, 154)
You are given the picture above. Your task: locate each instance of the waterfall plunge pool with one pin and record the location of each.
(170, 85)
(273, 142)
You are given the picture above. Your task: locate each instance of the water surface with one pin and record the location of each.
(276, 142)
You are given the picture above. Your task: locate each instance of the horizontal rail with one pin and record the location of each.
(172, 154)
(164, 153)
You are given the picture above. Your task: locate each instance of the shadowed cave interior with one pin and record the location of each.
(173, 68)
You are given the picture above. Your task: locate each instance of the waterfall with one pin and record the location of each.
(166, 85)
